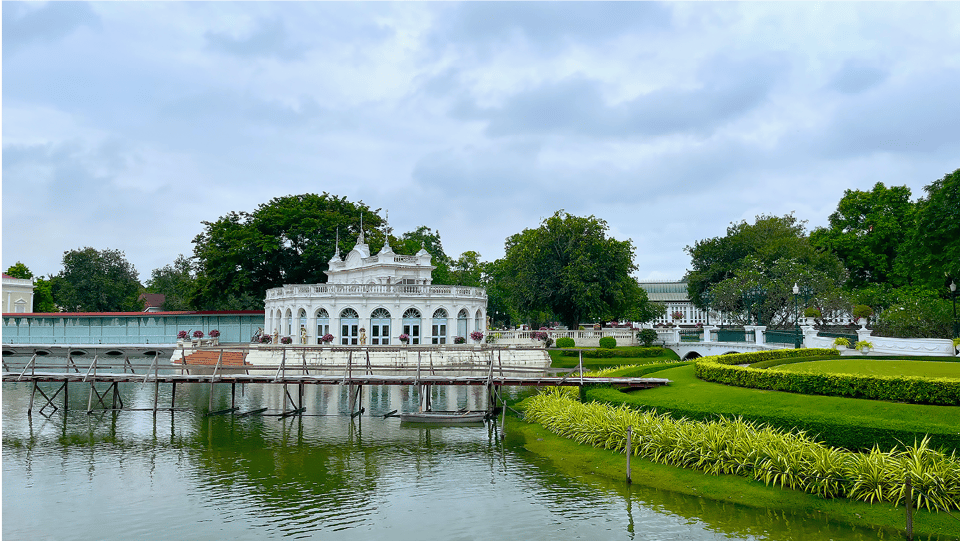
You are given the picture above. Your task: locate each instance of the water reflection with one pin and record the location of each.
(183, 475)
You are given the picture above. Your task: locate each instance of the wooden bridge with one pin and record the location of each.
(114, 371)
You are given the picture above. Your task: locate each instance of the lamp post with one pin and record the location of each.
(799, 292)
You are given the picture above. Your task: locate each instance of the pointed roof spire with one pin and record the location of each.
(386, 230)
(337, 252)
(361, 239)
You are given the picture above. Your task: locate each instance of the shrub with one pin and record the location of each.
(182, 334)
(327, 338)
(492, 338)
(841, 341)
(608, 342)
(862, 310)
(632, 353)
(198, 334)
(215, 334)
(476, 336)
(811, 312)
(565, 342)
(863, 344)
(286, 340)
(266, 339)
(647, 337)
(916, 390)
(915, 318)
(459, 340)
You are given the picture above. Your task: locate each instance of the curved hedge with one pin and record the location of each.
(628, 352)
(915, 390)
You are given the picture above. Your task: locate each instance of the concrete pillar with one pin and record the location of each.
(707, 333)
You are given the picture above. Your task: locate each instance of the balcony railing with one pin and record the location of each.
(347, 290)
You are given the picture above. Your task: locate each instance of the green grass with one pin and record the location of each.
(559, 361)
(843, 422)
(876, 368)
(796, 508)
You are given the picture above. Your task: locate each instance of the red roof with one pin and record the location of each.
(138, 314)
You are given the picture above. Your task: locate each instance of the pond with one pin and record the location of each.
(180, 474)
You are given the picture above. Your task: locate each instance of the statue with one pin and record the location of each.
(363, 336)
(256, 336)
(303, 334)
(276, 336)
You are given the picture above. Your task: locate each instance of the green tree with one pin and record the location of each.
(770, 255)
(931, 255)
(867, 232)
(43, 296)
(423, 237)
(19, 270)
(97, 281)
(176, 282)
(289, 240)
(467, 270)
(569, 267)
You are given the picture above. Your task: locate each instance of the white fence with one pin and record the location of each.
(582, 338)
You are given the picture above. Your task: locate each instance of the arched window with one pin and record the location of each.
(411, 325)
(289, 325)
(478, 321)
(323, 324)
(302, 324)
(380, 327)
(462, 323)
(439, 327)
(349, 327)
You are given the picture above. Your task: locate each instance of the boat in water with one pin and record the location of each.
(444, 417)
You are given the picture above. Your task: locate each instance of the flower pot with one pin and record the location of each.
(840, 348)
(811, 321)
(864, 350)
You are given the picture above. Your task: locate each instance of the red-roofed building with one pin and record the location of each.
(152, 302)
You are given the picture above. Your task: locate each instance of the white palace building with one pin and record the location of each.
(372, 300)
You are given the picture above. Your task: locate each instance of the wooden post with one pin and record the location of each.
(32, 393)
(173, 394)
(233, 395)
(629, 452)
(66, 403)
(909, 491)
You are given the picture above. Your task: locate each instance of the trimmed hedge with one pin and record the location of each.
(608, 342)
(565, 342)
(853, 436)
(604, 353)
(915, 390)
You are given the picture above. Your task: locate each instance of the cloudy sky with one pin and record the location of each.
(127, 124)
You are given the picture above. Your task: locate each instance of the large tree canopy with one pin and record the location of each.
(770, 256)
(96, 281)
(19, 270)
(867, 232)
(286, 241)
(931, 255)
(568, 266)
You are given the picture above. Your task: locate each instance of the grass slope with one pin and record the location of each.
(843, 422)
(559, 361)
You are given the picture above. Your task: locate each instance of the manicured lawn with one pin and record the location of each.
(876, 367)
(560, 361)
(844, 422)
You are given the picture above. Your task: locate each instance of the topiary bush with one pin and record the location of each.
(565, 342)
(608, 342)
(647, 337)
(606, 353)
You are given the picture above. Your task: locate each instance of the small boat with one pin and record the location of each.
(444, 417)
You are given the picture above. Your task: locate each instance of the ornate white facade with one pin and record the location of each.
(17, 295)
(372, 300)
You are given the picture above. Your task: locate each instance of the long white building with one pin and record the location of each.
(372, 300)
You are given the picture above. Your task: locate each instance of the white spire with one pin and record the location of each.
(386, 230)
(361, 239)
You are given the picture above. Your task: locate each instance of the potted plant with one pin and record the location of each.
(840, 343)
(864, 346)
(266, 339)
(476, 336)
(861, 312)
(326, 339)
(459, 340)
(677, 316)
(214, 337)
(286, 340)
(404, 338)
(811, 314)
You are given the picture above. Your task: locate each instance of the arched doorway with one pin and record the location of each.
(439, 334)
(411, 325)
(349, 327)
(301, 326)
(289, 323)
(478, 321)
(323, 323)
(462, 323)
(380, 327)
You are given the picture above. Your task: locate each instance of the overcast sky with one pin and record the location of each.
(127, 124)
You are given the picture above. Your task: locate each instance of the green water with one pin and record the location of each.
(181, 475)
